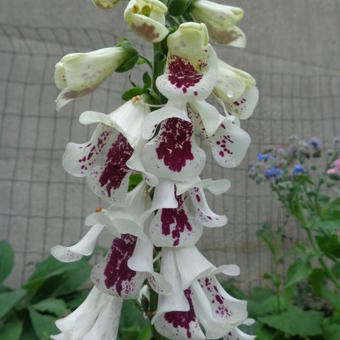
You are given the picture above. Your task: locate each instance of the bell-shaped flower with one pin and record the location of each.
(184, 211)
(147, 19)
(237, 334)
(237, 90)
(96, 318)
(200, 300)
(105, 4)
(221, 22)
(116, 134)
(229, 143)
(127, 265)
(78, 74)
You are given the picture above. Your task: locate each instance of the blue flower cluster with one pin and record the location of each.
(273, 172)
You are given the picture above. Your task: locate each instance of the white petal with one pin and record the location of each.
(209, 115)
(216, 187)
(203, 212)
(216, 309)
(159, 284)
(60, 336)
(175, 227)
(149, 29)
(227, 269)
(244, 107)
(229, 144)
(64, 97)
(111, 181)
(135, 163)
(173, 154)
(107, 323)
(142, 257)
(79, 159)
(191, 265)
(171, 110)
(175, 87)
(84, 247)
(180, 325)
(237, 334)
(113, 276)
(91, 303)
(102, 218)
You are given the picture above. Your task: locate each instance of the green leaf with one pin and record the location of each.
(331, 332)
(9, 300)
(76, 275)
(134, 180)
(130, 333)
(131, 316)
(55, 278)
(316, 279)
(76, 299)
(332, 298)
(329, 245)
(298, 271)
(43, 325)
(6, 260)
(145, 334)
(146, 80)
(262, 302)
(177, 7)
(11, 331)
(295, 321)
(51, 305)
(133, 92)
(131, 58)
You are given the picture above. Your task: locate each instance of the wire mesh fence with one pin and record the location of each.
(40, 205)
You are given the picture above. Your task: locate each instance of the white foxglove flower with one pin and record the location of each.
(105, 4)
(221, 22)
(117, 134)
(78, 74)
(180, 223)
(237, 89)
(147, 19)
(96, 318)
(237, 334)
(84, 247)
(127, 265)
(199, 298)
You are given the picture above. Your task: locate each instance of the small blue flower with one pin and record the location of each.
(297, 170)
(315, 142)
(265, 157)
(273, 172)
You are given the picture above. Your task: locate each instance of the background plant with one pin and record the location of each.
(305, 301)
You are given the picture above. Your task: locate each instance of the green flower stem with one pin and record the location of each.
(158, 69)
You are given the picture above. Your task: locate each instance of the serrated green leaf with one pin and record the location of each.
(6, 260)
(296, 322)
(133, 92)
(43, 325)
(11, 331)
(298, 271)
(51, 305)
(9, 299)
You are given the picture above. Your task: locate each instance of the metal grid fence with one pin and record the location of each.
(40, 205)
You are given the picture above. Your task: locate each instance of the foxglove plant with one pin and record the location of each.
(150, 174)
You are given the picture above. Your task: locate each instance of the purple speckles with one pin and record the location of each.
(115, 166)
(223, 143)
(175, 221)
(209, 285)
(182, 74)
(240, 102)
(174, 143)
(89, 152)
(182, 319)
(117, 273)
